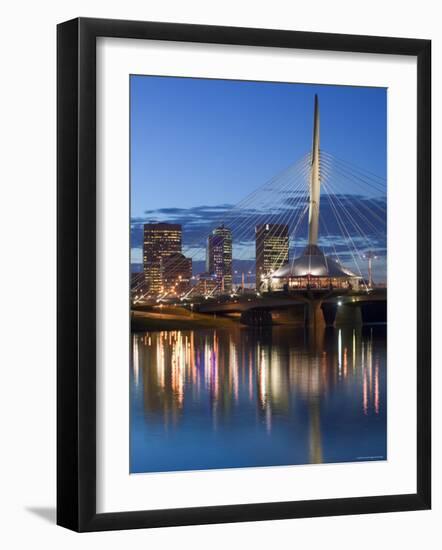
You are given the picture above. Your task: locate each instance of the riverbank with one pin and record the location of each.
(175, 318)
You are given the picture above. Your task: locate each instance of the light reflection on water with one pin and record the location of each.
(241, 397)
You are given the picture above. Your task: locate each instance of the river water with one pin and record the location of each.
(242, 397)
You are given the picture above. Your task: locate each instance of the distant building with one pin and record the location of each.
(176, 273)
(205, 285)
(272, 249)
(219, 257)
(161, 240)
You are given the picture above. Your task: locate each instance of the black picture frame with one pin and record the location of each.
(76, 273)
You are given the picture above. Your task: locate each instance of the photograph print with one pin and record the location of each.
(258, 295)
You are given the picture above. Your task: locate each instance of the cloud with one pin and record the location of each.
(136, 255)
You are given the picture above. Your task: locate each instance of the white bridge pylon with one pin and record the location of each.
(315, 182)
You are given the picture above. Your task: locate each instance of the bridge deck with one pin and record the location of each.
(279, 300)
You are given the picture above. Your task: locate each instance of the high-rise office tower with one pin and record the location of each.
(219, 256)
(272, 248)
(161, 240)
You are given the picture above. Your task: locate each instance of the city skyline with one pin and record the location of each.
(167, 270)
(359, 136)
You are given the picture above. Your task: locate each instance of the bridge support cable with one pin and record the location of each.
(297, 212)
(370, 187)
(267, 186)
(294, 226)
(351, 218)
(373, 239)
(375, 206)
(282, 180)
(367, 216)
(362, 236)
(251, 210)
(268, 215)
(289, 210)
(244, 235)
(289, 184)
(289, 219)
(293, 234)
(336, 176)
(345, 234)
(344, 231)
(364, 177)
(284, 214)
(329, 239)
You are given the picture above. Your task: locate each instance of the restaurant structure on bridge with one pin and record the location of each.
(312, 270)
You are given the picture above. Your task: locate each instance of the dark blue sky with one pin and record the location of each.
(199, 146)
(209, 142)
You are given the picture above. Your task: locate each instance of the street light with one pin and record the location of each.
(370, 256)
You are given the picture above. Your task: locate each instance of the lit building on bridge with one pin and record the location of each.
(312, 270)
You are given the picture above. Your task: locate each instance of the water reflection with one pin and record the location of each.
(244, 397)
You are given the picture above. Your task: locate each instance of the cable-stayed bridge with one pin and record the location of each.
(326, 221)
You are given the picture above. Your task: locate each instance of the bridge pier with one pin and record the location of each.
(313, 314)
(320, 314)
(329, 310)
